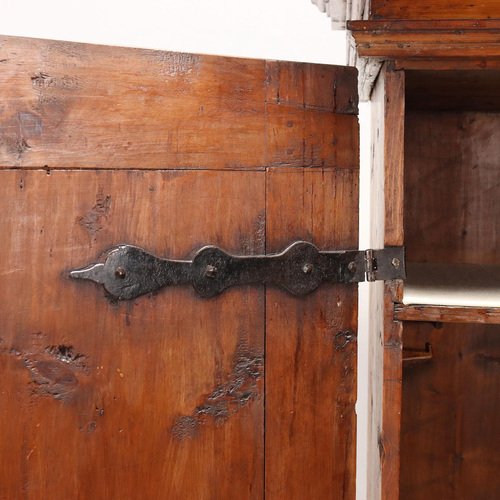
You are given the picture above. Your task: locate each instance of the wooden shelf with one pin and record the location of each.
(447, 314)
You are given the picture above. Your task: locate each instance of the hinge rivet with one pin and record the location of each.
(396, 262)
(307, 268)
(210, 271)
(352, 266)
(120, 272)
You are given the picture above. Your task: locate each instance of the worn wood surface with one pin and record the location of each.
(105, 394)
(468, 39)
(370, 344)
(394, 157)
(394, 112)
(389, 442)
(447, 64)
(369, 70)
(434, 9)
(447, 314)
(451, 187)
(167, 396)
(311, 345)
(88, 106)
(450, 426)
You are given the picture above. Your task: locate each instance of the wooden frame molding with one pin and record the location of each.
(467, 39)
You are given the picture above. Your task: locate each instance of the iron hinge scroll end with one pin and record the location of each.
(128, 272)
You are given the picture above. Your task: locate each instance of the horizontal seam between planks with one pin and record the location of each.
(177, 169)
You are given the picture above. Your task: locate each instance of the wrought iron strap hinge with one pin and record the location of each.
(127, 272)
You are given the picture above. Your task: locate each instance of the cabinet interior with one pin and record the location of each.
(452, 186)
(450, 430)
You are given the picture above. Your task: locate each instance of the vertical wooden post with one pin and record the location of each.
(371, 313)
(378, 461)
(394, 104)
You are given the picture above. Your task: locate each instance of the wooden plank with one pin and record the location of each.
(394, 157)
(394, 112)
(388, 48)
(434, 9)
(312, 86)
(448, 25)
(370, 344)
(400, 39)
(447, 314)
(67, 105)
(391, 407)
(310, 344)
(447, 64)
(133, 399)
(450, 426)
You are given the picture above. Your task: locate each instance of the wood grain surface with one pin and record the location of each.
(451, 187)
(394, 169)
(452, 64)
(450, 426)
(311, 345)
(434, 9)
(105, 394)
(171, 396)
(447, 314)
(89, 106)
(394, 155)
(414, 39)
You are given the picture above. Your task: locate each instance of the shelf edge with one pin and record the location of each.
(447, 314)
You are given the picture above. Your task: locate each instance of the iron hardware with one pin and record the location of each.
(128, 271)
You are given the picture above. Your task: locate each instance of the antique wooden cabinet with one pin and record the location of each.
(250, 394)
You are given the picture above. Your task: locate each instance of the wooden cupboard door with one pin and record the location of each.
(249, 394)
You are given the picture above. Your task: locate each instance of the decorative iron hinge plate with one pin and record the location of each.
(128, 271)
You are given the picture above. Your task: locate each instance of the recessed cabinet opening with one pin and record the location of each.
(452, 186)
(450, 430)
